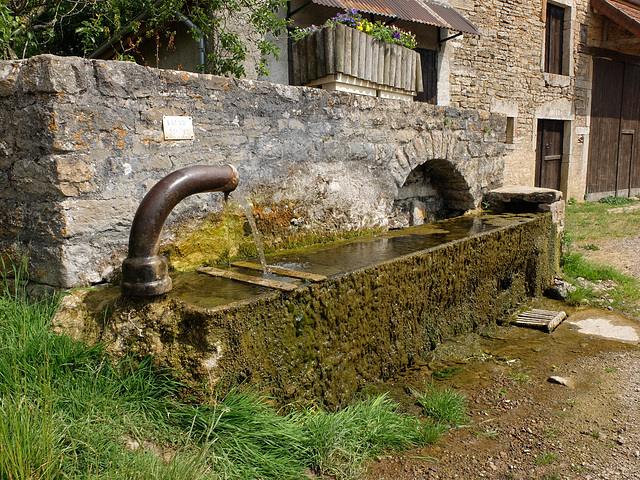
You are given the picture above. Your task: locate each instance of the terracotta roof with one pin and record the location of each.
(410, 10)
(624, 13)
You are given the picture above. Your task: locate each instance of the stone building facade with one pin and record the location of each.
(503, 70)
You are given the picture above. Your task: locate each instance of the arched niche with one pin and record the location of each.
(432, 191)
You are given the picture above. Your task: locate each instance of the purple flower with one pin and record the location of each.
(395, 35)
(353, 11)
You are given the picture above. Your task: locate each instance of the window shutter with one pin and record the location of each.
(554, 39)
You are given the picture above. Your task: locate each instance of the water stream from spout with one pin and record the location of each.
(227, 223)
(254, 230)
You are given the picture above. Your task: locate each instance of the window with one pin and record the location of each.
(554, 40)
(511, 130)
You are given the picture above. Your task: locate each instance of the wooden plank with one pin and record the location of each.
(419, 82)
(386, 65)
(368, 55)
(312, 48)
(375, 61)
(321, 69)
(329, 36)
(398, 80)
(240, 277)
(302, 65)
(355, 52)
(362, 57)
(314, 277)
(339, 47)
(392, 67)
(348, 39)
(296, 63)
(405, 78)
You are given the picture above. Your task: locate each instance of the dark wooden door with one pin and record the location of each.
(429, 64)
(549, 153)
(614, 140)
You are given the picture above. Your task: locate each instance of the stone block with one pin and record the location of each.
(124, 80)
(95, 216)
(52, 74)
(521, 198)
(9, 77)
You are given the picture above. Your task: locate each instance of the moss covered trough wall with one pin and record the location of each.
(325, 341)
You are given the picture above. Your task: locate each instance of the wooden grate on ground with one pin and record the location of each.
(546, 320)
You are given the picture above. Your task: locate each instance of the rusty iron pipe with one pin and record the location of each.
(144, 271)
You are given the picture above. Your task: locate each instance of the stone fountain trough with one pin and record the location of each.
(387, 301)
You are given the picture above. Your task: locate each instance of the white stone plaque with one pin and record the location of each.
(177, 128)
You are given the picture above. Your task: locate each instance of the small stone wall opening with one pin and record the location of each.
(432, 191)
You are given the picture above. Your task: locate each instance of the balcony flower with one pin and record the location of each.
(352, 18)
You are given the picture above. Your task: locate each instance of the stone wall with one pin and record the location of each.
(81, 142)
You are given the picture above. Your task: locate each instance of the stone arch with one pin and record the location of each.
(432, 191)
(437, 177)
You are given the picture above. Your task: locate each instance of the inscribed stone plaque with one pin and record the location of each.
(177, 128)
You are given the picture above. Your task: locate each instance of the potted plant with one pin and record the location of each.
(351, 54)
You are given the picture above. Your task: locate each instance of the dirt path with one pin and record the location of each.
(521, 425)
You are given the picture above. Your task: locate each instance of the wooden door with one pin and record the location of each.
(625, 155)
(614, 140)
(549, 153)
(628, 182)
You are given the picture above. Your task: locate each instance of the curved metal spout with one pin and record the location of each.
(144, 272)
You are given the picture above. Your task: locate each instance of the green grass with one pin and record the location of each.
(617, 200)
(585, 223)
(546, 458)
(340, 444)
(590, 221)
(68, 412)
(625, 293)
(442, 404)
(521, 378)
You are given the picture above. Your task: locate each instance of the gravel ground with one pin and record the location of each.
(523, 426)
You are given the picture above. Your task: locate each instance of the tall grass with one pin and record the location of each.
(68, 412)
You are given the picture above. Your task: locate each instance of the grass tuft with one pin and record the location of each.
(617, 200)
(443, 404)
(341, 443)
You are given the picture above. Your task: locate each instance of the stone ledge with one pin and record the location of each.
(521, 196)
